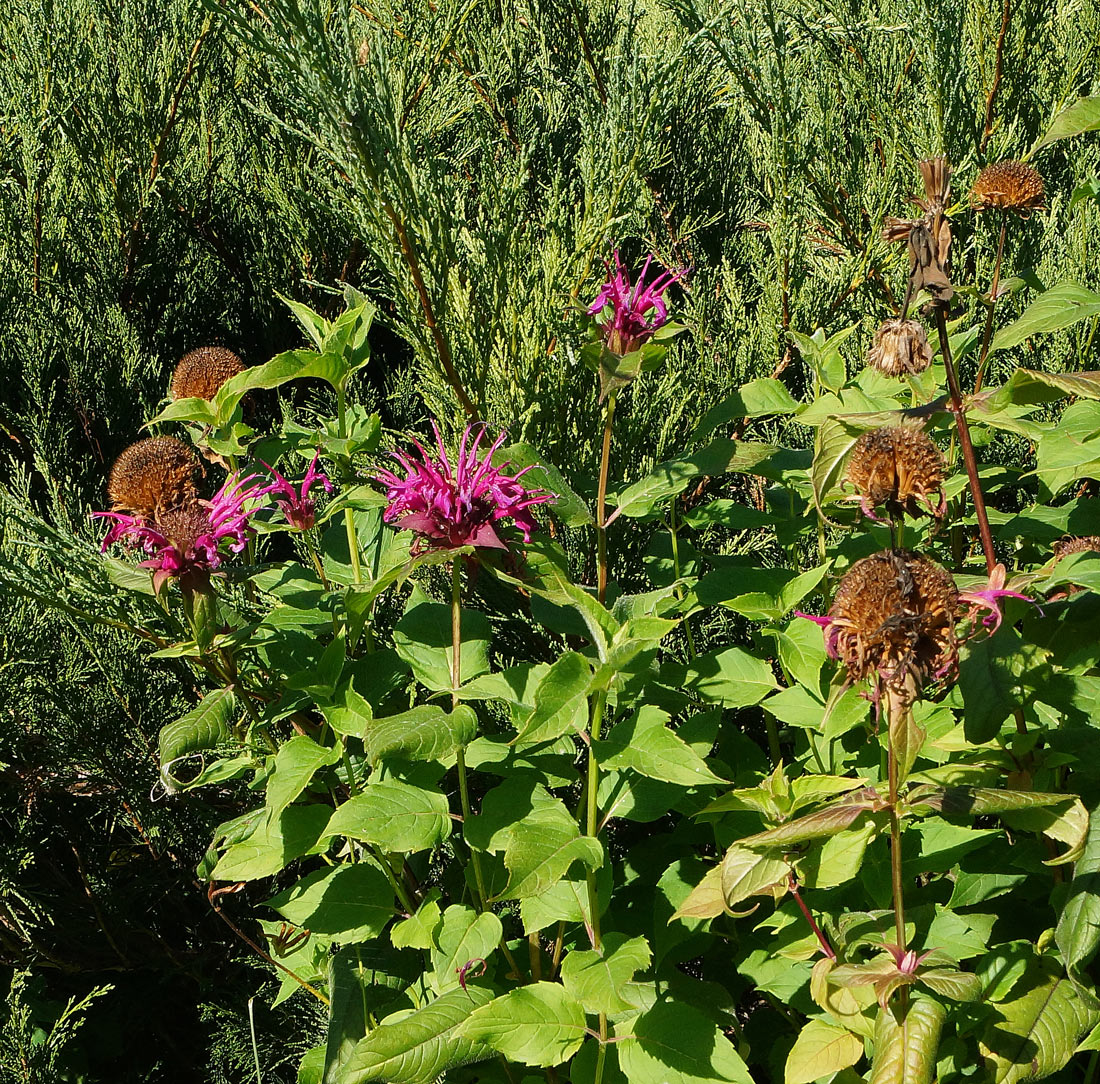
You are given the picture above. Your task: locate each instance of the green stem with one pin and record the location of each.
(601, 501)
(674, 533)
(311, 545)
(460, 756)
(593, 811)
(349, 514)
(893, 710)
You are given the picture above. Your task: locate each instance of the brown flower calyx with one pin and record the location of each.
(897, 466)
(893, 620)
(900, 348)
(1012, 186)
(201, 372)
(153, 475)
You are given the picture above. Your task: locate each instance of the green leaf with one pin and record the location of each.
(290, 365)
(673, 1043)
(1082, 115)
(423, 639)
(731, 677)
(418, 931)
(347, 1018)
(746, 873)
(567, 506)
(464, 935)
(951, 983)
(645, 744)
(1071, 450)
(205, 726)
(820, 1050)
(1029, 387)
(1037, 1028)
(297, 761)
(561, 687)
(706, 899)
(1056, 308)
(905, 1049)
(759, 397)
(541, 848)
(828, 821)
(541, 1024)
(721, 456)
(1078, 931)
(595, 977)
(420, 1047)
(394, 816)
(425, 732)
(990, 680)
(349, 903)
(273, 844)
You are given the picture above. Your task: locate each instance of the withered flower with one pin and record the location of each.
(900, 348)
(1013, 186)
(897, 466)
(200, 373)
(152, 475)
(928, 237)
(894, 617)
(1084, 544)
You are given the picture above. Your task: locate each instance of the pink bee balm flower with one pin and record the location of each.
(988, 598)
(460, 505)
(637, 310)
(299, 510)
(188, 539)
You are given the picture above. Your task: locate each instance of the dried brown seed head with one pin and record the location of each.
(897, 466)
(900, 348)
(1015, 186)
(893, 618)
(1084, 544)
(152, 475)
(200, 373)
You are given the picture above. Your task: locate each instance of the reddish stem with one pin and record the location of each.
(826, 948)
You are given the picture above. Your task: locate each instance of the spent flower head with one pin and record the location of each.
(893, 620)
(899, 467)
(1012, 186)
(201, 372)
(153, 474)
(637, 310)
(460, 505)
(298, 507)
(188, 539)
(900, 348)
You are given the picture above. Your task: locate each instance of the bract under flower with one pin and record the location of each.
(637, 310)
(460, 505)
(189, 539)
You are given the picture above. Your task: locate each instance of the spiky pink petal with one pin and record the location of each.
(460, 504)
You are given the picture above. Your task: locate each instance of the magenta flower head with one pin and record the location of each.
(460, 505)
(187, 539)
(637, 310)
(299, 509)
(989, 597)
